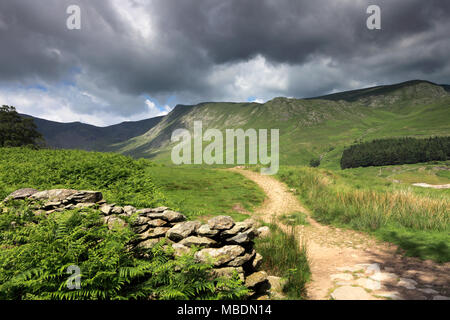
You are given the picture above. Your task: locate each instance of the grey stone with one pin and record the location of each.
(384, 276)
(52, 204)
(106, 209)
(227, 272)
(198, 241)
(239, 261)
(117, 210)
(129, 210)
(146, 211)
(256, 279)
(206, 231)
(369, 284)
(220, 256)
(373, 268)
(221, 223)
(428, 290)
(149, 244)
(168, 215)
(276, 284)
(85, 205)
(141, 228)
(156, 222)
(257, 261)
(240, 238)
(407, 283)
(21, 194)
(183, 230)
(114, 221)
(180, 249)
(141, 220)
(263, 232)
(351, 293)
(54, 194)
(85, 196)
(238, 227)
(154, 233)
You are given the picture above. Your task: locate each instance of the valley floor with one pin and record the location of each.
(346, 264)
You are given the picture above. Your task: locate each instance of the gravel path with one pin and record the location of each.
(346, 264)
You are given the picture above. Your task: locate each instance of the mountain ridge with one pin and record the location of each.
(78, 135)
(309, 128)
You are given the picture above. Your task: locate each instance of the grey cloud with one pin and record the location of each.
(193, 37)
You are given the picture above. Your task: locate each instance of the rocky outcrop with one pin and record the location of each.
(226, 244)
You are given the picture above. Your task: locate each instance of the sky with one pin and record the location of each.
(137, 59)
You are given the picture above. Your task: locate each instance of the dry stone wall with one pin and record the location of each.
(227, 244)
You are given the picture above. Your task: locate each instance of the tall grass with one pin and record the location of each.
(336, 200)
(285, 257)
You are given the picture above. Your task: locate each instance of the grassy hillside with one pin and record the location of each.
(381, 201)
(312, 128)
(124, 180)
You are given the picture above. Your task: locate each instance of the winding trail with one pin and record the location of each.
(347, 264)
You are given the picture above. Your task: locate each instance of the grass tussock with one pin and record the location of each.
(285, 257)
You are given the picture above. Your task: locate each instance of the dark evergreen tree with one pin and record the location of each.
(15, 130)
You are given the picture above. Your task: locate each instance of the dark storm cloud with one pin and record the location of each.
(190, 39)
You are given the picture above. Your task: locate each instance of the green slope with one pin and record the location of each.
(316, 127)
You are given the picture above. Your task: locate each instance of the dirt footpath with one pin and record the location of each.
(346, 264)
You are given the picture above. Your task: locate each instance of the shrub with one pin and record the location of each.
(314, 163)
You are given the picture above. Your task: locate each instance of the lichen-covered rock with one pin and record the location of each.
(141, 228)
(206, 231)
(167, 215)
(221, 223)
(227, 272)
(85, 205)
(141, 220)
(85, 197)
(198, 241)
(149, 243)
(151, 210)
(156, 223)
(263, 232)
(183, 230)
(154, 233)
(256, 279)
(117, 210)
(113, 221)
(220, 256)
(180, 249)
(257, 261)
(106, 209)
(21, 194)
(241, 260)
(54, 194)
(239, 227)
(129, 210)
(240, 238)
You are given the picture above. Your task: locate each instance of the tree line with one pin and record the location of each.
(395, 151)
